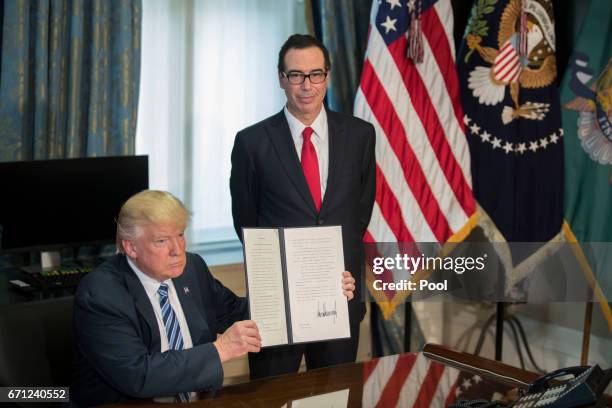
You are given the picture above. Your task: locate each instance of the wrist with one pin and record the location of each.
(222, 355)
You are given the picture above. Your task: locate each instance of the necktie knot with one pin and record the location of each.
(163, 290)
(307, 133)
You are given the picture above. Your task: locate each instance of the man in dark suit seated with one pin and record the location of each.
(146, 321)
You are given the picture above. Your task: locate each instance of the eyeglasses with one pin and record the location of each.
(298, 78)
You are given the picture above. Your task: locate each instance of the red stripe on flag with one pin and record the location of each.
(391, 212)
(506, 66)
(501, 63)
(371, 253)
(384, 112)
(433, 128)
(506, 51)
(391, 392)
(452, 393)
(434, 32)
(390, 208)
(368, 368)
(509, 74)
(517, 72)
(429, 385)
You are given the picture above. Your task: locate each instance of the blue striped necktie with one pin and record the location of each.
(173, 329)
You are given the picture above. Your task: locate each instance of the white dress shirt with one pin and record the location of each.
(151, 286)
(320, 141)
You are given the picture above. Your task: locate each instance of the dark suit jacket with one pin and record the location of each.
(118, 354)
(269, 188)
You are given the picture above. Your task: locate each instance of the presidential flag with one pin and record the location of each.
(586, 94)
(409, 91)
(508, 75)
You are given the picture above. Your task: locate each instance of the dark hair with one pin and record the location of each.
(301, 41)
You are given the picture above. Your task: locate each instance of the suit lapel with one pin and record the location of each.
(280, 136)
(143, 304)
(184, 289)
(337, 140)
(195, 316)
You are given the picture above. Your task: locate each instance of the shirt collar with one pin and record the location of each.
(151, 285)
(319, 125)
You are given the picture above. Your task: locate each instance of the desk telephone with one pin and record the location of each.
(585, 389)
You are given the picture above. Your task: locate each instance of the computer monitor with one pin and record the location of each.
(47, 205)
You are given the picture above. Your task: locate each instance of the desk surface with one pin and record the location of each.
(407, 380)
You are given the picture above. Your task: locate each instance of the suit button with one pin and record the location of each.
(320, 222)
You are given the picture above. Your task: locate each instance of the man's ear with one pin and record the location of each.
(129, 248)
(281, 83)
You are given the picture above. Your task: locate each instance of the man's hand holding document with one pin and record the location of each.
(297, 286)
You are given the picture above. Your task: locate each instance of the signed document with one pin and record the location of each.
(294, 283)
(336, 399)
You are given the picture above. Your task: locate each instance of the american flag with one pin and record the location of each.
(423, 179)
(412, 380)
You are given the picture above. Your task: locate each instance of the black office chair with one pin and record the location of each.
(36, 343)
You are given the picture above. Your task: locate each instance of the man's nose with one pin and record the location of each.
(306, 84)
(176, 247)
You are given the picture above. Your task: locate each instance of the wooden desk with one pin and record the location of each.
(431, 378)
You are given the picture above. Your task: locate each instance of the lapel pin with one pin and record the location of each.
(186, 289)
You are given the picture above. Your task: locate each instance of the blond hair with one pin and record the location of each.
(149, 207)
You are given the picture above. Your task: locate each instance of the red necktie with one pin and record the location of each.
(310, 166)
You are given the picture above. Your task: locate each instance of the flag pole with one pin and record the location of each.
(407, 325)
(499, 330)
(586, 333)
(500, 317)
(588, 273)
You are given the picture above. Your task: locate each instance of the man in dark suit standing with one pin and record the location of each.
(306, 166)
(146, 321)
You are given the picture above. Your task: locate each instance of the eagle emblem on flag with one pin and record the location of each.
(525, 56)
(594, 106)
(511, 103)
